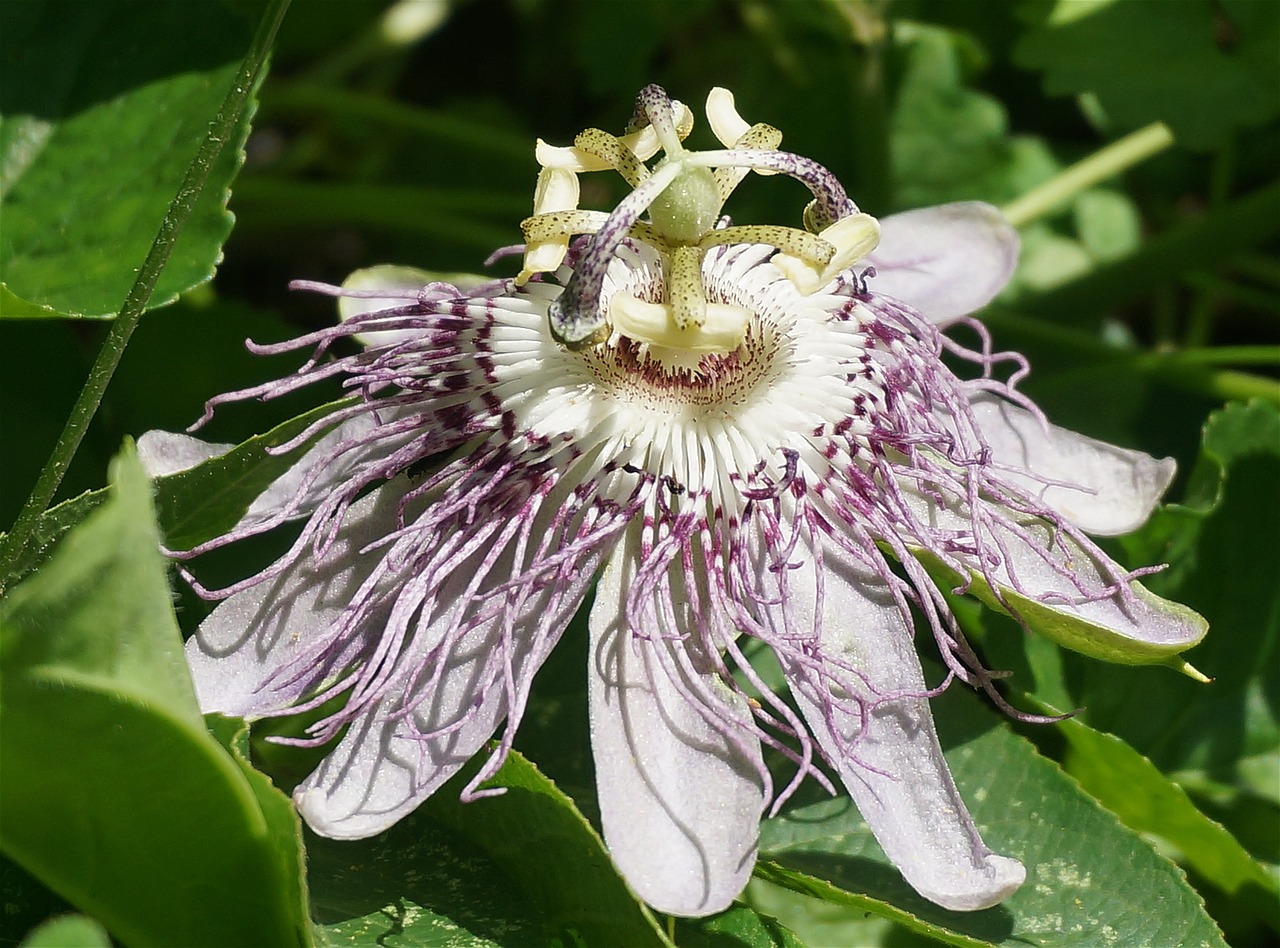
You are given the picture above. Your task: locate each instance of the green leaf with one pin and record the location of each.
(417, 884)
(1090, 880)
(521, 868)
(1108, 223)
(284, 829)
(112, 792)
(1178, 63)
(102, 108)
(68, 931)
(207, 500)
(193, 505)
(817, 922)
(950, 142)
(1131, 787)
(537, 836)
(1220, 547)
(52, 526)
(737, 926)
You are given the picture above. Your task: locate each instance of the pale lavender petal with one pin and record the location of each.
(241, 651)
(1074, 595)
(891, 763)
(350, 449)
(163, 452)
(1131, 625)
(341, 455)
(385, 766)
(945, 261)
(680, 801)
(1115, 488)
(428, 725)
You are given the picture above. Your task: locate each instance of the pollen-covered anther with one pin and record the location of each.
(853, 237)
(557, 191)
(722, 329)
(643, 143)
(733, 131)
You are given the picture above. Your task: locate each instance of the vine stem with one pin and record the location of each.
(220, 131)
(1193, 370)
(1105, 163)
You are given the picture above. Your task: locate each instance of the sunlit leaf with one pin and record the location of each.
(103, 107)
(112, 792)
(1131, 787)
(539, 838)
(1090, 880)
(1220, 548)
(738, 926)
(1203, 73)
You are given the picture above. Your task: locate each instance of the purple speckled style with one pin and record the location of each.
(808, 490)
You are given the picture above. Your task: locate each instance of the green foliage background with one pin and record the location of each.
(1147, 301)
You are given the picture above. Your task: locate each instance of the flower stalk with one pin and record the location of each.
(1106, 162)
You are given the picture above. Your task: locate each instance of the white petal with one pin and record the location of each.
(680, 803)
(402, 286)
(387, 763)
(163, 452)
(1117, 488)
(944, 261)
(912, 805)
(254, 634)
(1038, 569)
(311, 479)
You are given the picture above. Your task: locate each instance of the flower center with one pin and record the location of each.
(647, 358)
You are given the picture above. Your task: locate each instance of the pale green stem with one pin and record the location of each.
(1230, 355)
(220, 131)
(1221, 384)
(401, 26)
(1257, 266)
(1266, 301)
(1192, 370)
(1098, 167)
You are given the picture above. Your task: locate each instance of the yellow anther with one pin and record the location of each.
(643, 144)
(723, 117)
(722, 330)
(853, 237)
(556, 191)
(614, 153)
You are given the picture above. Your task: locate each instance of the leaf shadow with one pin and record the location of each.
(415, 878)
(881, 881)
